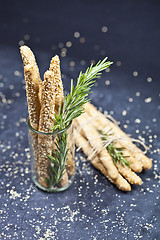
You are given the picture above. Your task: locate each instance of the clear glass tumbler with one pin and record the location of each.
(52, 158)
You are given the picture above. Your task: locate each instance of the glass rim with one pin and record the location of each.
(52, 133)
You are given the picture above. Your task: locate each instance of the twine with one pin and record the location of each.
(109, 139)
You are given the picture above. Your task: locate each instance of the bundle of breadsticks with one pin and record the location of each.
(44, 99)
(88, 136)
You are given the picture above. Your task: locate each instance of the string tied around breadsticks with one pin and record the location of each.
(90, 119)
(146, 148)
(112, 119)
(110, 139)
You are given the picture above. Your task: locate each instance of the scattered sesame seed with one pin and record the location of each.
(149, 79)
(124, 112)
(26, 37)
(118, 63)
(107, 82)
(68, 44)
(138, 94)
(135, 74)
(107, 70)
(130, 99)
(137, 120)
(82, 62)
(21, 43)
(82, 40)
(76, 34)
(72, 63)
(148, 100)
(104, 29)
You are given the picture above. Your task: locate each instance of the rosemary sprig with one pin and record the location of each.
(72, 108)
(78, 96)
(58, 160)
(115, 153)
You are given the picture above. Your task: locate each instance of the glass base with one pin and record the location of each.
(53, 188)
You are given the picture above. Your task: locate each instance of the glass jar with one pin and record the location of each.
(52, 158)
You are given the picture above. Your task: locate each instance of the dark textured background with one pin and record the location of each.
(92, 208)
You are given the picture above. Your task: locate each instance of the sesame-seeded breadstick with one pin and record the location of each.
(55, 67)
(134, 163)
(29, 58)
(46, 121)
(129, 175)
(33, 104)
(71, 151)
(32, 95)
(46, 124)
(125, 171)
(82, 143)
(70, 161)
(127, 143)
(120, 182)
(64, 179)
(70, 164)
(88, 131)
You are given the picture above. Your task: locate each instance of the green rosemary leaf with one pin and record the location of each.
(120, 148)
(115, 153)
(53, 160)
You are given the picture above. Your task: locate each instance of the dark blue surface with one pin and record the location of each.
(92, 208)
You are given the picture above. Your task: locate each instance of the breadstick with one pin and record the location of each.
(70, 164)
(33, 105)
(132, 177)
(55, 67)
(125, 171)
(71, 152)
(46, 124)
(120, 182)
(70, 156)
(93, 137)
(29, 58)
(82, 143)
(32, 95)
(134, 163)
(46, 121)
(127, 143)
(64, 179)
